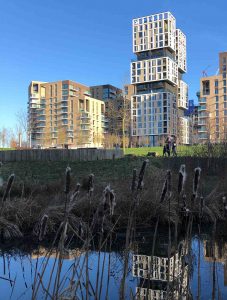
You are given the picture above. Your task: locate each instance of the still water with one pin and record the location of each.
(191, 269)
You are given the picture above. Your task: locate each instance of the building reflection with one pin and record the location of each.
(162, 276)
(69, 254)
(216, 252)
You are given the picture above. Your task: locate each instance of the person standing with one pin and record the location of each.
(164, 150)
(174, 149)
(168, 149)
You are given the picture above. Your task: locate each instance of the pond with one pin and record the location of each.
(190, 267)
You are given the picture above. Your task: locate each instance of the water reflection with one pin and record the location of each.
(164, 276)
(173, 272)
(69, 254)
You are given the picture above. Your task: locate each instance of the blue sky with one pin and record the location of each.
(90, 42)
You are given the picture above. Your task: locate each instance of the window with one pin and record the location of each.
(216, 83)
(65, 92)
(65, 86)
(206, 87)
(216, 91)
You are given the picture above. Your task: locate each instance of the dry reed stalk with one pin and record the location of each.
(141, 175)
(67, 180)
(109, 200)
(90, 190)
(134, 180)
(196, 179)
(75, 193)
(181, 179)
(8, 187)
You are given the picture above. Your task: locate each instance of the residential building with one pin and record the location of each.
(192, 115)
(63, 114)
(117, 110)
(105, 92)
(160, 95)
(213, 105)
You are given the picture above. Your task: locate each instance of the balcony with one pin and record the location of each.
(63, 111)
(84, 127)
(40, 125)
(64, 117)
(202, 100)
(85, 122)
(34, 96)
(202, 130)
(202, 108)
(41, 113)
(85, 116)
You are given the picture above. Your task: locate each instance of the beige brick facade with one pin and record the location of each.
(213, 105)
(63, 114)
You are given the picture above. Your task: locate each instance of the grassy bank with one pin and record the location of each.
(48, 172)
(181, 150)
(200, 150)
(110, 171)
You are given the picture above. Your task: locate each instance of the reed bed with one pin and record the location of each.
(164, 194)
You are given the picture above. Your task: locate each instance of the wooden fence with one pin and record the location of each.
(85, 154)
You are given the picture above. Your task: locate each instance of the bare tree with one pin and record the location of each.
(4, 137)
(118, 114)
(23, 128)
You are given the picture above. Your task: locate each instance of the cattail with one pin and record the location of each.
(181, 179)
(196, 181)
(67, 180)
(75, 193)
(8, 187)
(133, 186)
(141, 175)
(109, 199)
(90, 184)
(43, 227)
